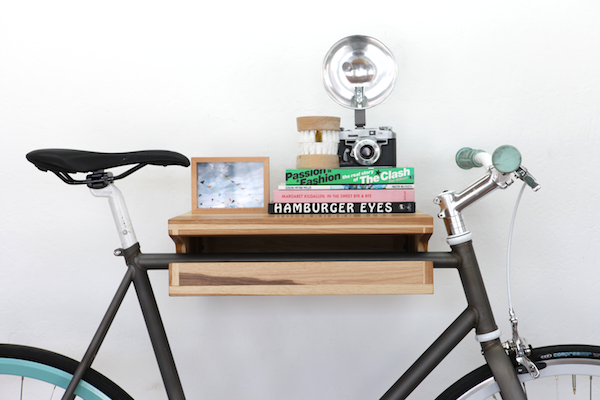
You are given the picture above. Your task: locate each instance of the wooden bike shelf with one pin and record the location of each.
(304, 233)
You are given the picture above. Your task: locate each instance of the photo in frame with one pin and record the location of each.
(230, 185)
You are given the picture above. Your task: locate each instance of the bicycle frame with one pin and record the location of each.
(477, 315)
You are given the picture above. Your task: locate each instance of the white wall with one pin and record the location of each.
(229, 79)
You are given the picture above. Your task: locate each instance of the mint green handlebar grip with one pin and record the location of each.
(465, 158)
(506, 159)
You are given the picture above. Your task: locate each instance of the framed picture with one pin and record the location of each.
(230, 185)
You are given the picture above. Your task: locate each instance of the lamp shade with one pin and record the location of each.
(359, 72)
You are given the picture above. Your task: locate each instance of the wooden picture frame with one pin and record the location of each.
(230, 185)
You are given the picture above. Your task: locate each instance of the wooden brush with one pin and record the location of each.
(318, 142)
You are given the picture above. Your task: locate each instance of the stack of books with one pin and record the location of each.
(345, 191)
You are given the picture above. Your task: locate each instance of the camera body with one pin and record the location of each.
(367, 147)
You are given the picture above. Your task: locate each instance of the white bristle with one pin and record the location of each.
(308, 142)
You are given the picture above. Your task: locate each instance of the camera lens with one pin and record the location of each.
(366, 151)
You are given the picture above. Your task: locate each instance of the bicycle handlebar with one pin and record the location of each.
(466, 158)
(505, 159)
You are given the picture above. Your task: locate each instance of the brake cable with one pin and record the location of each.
(517, 344)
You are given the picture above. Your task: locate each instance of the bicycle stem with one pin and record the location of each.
(452, 204)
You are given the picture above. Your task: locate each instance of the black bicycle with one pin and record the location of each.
(513, 370)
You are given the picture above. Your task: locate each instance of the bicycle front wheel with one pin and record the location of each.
(566, 371)
(31, 373)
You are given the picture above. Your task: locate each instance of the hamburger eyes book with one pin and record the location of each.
(356, 176)
(342, 208)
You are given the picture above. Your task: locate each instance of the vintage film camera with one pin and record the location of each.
(359, 72)
(368, 147)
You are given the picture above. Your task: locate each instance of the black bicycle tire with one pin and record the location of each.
(66, 364)
(538, 356)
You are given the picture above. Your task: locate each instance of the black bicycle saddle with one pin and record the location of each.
(72, 161)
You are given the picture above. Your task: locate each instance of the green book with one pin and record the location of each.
(358, 176)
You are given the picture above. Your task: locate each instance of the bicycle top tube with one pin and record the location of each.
(161, 261)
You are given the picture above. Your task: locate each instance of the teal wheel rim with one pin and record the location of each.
(46, 373)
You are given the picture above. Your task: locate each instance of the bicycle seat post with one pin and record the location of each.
(120, 214)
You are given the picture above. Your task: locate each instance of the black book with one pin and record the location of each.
(341, 208)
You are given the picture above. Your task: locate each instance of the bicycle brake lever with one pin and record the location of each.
(526, 177)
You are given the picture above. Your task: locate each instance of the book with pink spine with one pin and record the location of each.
(344, 196)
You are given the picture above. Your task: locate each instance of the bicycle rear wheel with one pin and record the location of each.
(33, 373)
(566, 371)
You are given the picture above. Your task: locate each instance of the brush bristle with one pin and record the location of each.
(328, 144)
